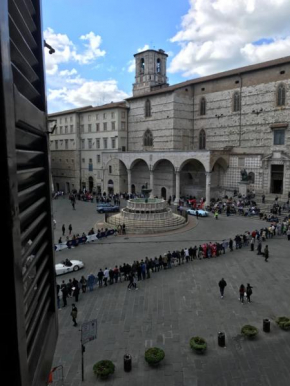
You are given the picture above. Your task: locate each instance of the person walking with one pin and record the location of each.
(266, 253)
(100, 277)
(76, 290)
(242, 293)
(231, 245)
(216, 215)
(252, 243)
(63, 230)
(83, 282)
(131, 281)
(74, 314)
(259, 248)
(249, 292)
(222, 285)
(70, 229)
(64, 291)
(106, 276)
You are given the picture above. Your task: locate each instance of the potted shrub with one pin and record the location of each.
(198, 344)
(249, 331)
(283, 322)
(154, 355)
(104, 368)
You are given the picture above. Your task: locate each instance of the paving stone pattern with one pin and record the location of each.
(174, 305)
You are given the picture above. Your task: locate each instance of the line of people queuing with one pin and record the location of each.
(141, 270)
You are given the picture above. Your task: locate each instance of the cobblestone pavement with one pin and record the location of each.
(174, 305)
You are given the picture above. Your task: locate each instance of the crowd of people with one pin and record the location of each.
(143, 269)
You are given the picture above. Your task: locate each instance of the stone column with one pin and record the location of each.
(177, 185)
(129, 181)
(152, 184)
(207, 187)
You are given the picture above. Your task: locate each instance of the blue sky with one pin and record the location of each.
(95, 41)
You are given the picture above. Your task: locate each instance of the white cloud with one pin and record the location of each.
(89, 93)
(131, 63)
(216, 35)
(66, 51)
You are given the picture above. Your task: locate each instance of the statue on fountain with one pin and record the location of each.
(244, 175)
(146, 192)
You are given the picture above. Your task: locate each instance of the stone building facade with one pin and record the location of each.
(77, 146)
(193, 138)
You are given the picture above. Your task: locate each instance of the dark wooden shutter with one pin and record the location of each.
(26, 192)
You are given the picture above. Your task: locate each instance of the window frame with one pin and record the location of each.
(202, 140)
(202, 106)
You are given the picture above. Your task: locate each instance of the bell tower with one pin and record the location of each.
(150, 73)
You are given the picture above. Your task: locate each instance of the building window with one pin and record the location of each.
(66, 129)
(89, 127)
(98, 158)
(112, 115)
(60, 120)
(89, 118)
(56, 145)
(90, 143)
(142, 65)
(104, 115)
(70, 118)
(81, 118)
(110, 169)
(158, 66)
(66, 144)
(71, 128)
(65, 119)
(97, 117)
(90, 165)
(251, 177)
(123, 125)
(83, 143)
(113, 143)
(281, 95)
(98, 144)
(148, 138)
(60, 129)
(105, 141)
(82, 128)
(202, 140)
(147, 108)
(97, 127)
(113, 126)
(83, 160)
(279, 137)
(123, 114)
(202, 109)
(237, 101)
(105, 126)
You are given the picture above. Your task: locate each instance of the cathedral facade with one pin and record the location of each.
(195, 137)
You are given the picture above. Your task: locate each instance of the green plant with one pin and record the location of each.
(283, 322)
(104, 368)
(249, 331)
(154, 355)
(198, 344)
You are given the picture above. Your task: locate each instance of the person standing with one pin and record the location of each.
(74, 314)
(83, 282)
(196, 213)
(242, 293)
(259, 248)
(64, 293)
(106, 276)
(222, 285)
(252, 243)
(100, 277)
(216, 215)
(70, 229)
(266, 253)
(231, 245)
(63, 230)
(249, 292)
(76, 290)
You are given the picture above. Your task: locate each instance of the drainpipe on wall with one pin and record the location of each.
(240, 133)
(79, 144)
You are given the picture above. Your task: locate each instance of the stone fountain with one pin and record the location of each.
(147, 215)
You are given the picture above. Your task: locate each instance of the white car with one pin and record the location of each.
(64, 267)
(201, 212)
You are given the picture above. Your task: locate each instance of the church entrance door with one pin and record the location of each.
(163, 193)
(277, 175)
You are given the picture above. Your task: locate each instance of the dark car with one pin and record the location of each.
(103, 205)
(106, 209)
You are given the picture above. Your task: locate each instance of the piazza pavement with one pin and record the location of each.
(174, 305)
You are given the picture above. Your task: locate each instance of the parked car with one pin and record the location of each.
(68, 266)
(107, 209)
(201, 212)
(103, 204)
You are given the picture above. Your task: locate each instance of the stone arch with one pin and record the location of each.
(164, 177)
(219, 169)
(119, 169)
(140, 174)
(192, 178)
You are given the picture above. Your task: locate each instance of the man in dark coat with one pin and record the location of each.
(222, 285)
